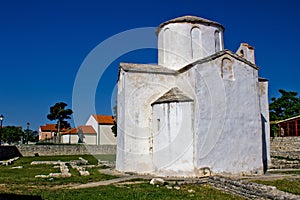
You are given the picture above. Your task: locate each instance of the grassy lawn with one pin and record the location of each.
(110, 158)
(141, 191)
(26, 175)
(297, 172)
(17, 183)
(291, 186)
(138, 191)
(286, 185)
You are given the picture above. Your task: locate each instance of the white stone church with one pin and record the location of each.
(201, 107)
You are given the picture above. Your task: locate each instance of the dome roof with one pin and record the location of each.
(189, 19)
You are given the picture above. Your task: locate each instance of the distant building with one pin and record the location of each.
(81, 134)
(97, 131)
(102, 125)
(48, 132)
(289, 127)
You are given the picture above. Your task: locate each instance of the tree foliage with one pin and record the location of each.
(61, 114)
(31, 136)
(114, 128)
(15, 134)
(286, 106)
(11, 134)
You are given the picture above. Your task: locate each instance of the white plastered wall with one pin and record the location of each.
(106, 135)
(178, 45)
(228, 122)
(93, 122)
(173, 139)
(70, 138)
(136, 93)
(90, 139)
(264, 108)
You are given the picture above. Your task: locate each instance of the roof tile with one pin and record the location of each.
(104, 119)
(173, 95)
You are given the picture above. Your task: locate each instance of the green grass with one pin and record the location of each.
(291, 186)
(22, 182)
(27, 174)
(138, 192)
(108, 157)
(297, 172)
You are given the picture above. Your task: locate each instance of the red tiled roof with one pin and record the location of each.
(85, 130)
(104, 119)
(71, 131)
(50, 128)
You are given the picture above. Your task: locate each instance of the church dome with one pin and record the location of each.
(186, 39)
(190, 19)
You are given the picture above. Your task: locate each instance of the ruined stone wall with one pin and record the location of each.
(49, 150)
(249, 190)
(288, 147)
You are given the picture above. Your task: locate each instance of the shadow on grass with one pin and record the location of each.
(16, 196)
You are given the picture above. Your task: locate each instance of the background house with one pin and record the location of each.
(289, 127)
(97, 131)
(102, 125)
(47, 132)
(86, 134)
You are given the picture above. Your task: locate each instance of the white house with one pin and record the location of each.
(200, 107)
(102, 125)
(87, 135)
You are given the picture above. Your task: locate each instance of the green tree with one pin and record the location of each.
(286, 106)
(11, 134)
(61, 114)
(114, 128)
(31, 136)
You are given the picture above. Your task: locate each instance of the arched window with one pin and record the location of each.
(196, 43)
(227, 69)
(166, 44)
(217, 41)
(242, 53)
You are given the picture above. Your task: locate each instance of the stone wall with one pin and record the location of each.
(249, 190)
(49, 150)
(287, 147)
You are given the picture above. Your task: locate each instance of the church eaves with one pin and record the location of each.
(215, 56)
(189, 19)
(158, 69)
(146, 68)
(173, 95)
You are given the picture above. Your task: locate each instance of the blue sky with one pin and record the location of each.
(44, 43)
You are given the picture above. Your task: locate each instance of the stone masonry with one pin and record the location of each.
(249, 190)
(287, 147)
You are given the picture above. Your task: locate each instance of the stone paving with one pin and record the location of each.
(249, 190)
(80, 164)
(64, 170)
(102, 183)
(9, 162)
(284, 163)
